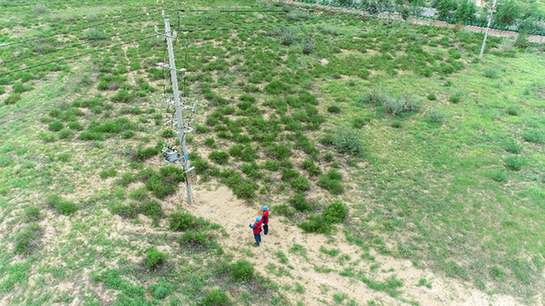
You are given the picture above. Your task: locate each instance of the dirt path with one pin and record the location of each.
(319, 273)
(418, 21)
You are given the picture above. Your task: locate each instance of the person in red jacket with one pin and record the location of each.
(256, 229)
(265, 219)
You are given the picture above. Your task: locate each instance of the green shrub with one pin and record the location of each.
(299, 202)
(284, 210)
(242, 271)
(154, 259)
(455, 98)
(534, 136)
(311, 168)
(165, 182)
(358, 123)
(95, 35)
(513, 147)
(300, 183)
(143, 154)
(335, 212)
(55, 126)
(122, 96)
(27, 239)
(347, 140)
(12, 98)
(432, 97)
(435, 117)
(152, 209)
(62, 206)
(219, 157)
(181, 221)
(123, 210)
(271, 165)
(66, 134)
(88, 135)
(104, 174)
(161, 290)
(168, 134)
(498, 176)
(308, 46)
(332, 182)
(287, 36)
(216, 297)
(514, 163)
(316, 224)
(334, 109)
(198, 240)
(512, 111)
(31, 214)
(210, 142)
(278, 151)
(398, 106)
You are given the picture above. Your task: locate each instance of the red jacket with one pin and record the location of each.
(256, 228)
(265, 217)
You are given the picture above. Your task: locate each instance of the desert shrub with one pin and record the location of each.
(95, 35)
(216, 297)
(271, 165)
(104, 174)
(219, 157)
(154, 259)
(62, 206)
(152, 209)
(334, 109)
(512, 111)
(514, 163)
(55, 126)
(31, 214)
(300, 183)
(491, 73)
(455, 98)
(182, 221)
(347, 141)
(316, 224)
(19, 87)
(168, 134)
(124, 210)
(27, 239)
(13, 98)
(308, 46)
(75, 126)
(498, 176)
(311, 168)
(251, 170)
(335, 212)
(88, 135)
(398, 106)
(66, 134)
(122, 96)
(287, 36)
(244, 189)
(197, 240)
(278, 151)
(432, 97)
(299, 202)
(534, 136)
(161, 290)
(359, 122)
(435, 117)
(241, 271)
(513, 147)
(165, 182)
(332, 182)
(373, 97)
(143, 154)
(210, 142)
(284, 210)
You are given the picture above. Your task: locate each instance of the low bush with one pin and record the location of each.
(168, 134)
(219, 157)
(335, 212)
(279, 151)
(31, 214)
(498, 176)
(124, 210)
(95, 35)
(300, 203)
(12, 98)
(241, 271)
(534, 136)
(398, 106)
(311, 168)
(455, 98)
(300, 184)
(182, 221)
(198, 240)
(316, 224)
(359, 122)
(154, 259)
(55, 126)
(332, 182)
(62, 206)
(432, 97)
(143, 154)
(512, 111)
(308, 46)
(165, 182)
(152, 209)
(435, 117)
(334, 109)
(27, 239)
(513, 147)
(216, 297)
(514, 163)
(347, 140)
(104, 174)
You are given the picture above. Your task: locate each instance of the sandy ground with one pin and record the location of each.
(319, 273)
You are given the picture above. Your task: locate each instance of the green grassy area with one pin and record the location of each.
(439, 157)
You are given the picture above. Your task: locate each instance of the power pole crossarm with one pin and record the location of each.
(180, 126)
(490, 15)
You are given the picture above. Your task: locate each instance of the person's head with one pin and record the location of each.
(264, 208)
(257, 219)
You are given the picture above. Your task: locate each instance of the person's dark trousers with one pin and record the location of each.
(257, 239)
(265, 229)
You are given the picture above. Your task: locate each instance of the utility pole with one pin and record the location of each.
(180, 126)
(490, 15)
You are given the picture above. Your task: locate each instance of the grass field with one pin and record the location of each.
(388, 139)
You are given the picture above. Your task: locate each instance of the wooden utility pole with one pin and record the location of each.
(180, 126)
(490, 15)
